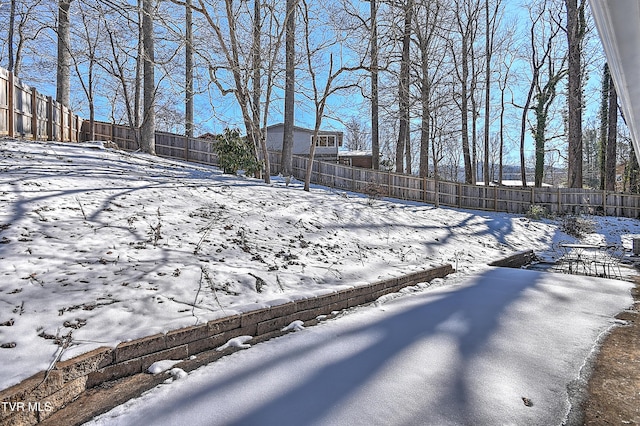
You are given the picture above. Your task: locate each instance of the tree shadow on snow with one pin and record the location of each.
(480, 306)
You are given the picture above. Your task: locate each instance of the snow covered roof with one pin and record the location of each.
(618, 23)
(354, 153)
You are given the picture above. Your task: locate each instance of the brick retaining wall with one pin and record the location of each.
(48, 393)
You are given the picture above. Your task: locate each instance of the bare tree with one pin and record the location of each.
(333, 84)
(403, 147)
(12, 22)
(503, 83)
(491, 22)
(612, 132)
(188, 71)
(85, 57)
(356, 138)
(63, 84)
(375, 107)
(23, 27)
(536, 65)
(431, 57)
(466, 17)
(604, 124)
(576, 28)
(289, 93)
(545, 89)
(148, 129)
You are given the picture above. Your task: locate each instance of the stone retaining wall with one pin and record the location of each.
(40, 396)
(517, 260)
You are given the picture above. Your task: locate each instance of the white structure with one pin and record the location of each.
(327, 143)
(618, 23)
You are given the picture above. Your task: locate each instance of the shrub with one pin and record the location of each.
(537, 212)
(374, 191)
(577, 226)
(235, 153)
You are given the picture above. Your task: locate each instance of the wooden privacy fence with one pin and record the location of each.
(168, 145)
(28, 114)
(404, 187)
(456, 194)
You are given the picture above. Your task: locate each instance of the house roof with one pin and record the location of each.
(354, 154)
(304, 129)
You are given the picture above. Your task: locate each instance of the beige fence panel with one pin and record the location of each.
(26, 113)
(4, 102)
(201, 151)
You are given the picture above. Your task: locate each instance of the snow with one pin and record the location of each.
(162, 366)
(296, 325)
(236, 342)
(501, 346)
(99, 247)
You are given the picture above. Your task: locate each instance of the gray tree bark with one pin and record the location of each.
(148, 130)
(188, 62)
(63, 82)
(612, 134)
(575, 34)
(12, 21)
(375, 107)
(403, 96)
(604, 125)
(289, 89)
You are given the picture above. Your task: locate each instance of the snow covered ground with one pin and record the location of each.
(498, 347)
(99, 246)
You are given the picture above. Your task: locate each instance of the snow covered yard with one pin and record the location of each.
(100, 246)
(501, 346)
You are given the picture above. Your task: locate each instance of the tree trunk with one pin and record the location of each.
(575, 33)
(425, 130)
(289, 92)
(487, 93)
(501, 154)
(604, 125)
(148, 131)
(539, 139)
(375, 137)
(188, 108)
(63, 84)
(12, 21)
(403, 93)
(137, 101)
(468, 168)
(612, 138)
(258, 137)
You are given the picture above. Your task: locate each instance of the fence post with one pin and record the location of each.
(353, 180)
(49, 118)
(61, 133)
(11, 104)
(533, 199)
(34, 114)
(424, 188)
(459, 194)
(559, 202)
(604, 202)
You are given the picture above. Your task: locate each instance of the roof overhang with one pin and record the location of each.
(618, 23)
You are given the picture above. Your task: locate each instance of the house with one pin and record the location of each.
(327, 143)
(362, 159)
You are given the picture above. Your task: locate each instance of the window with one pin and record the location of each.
(325, 140)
